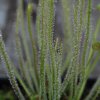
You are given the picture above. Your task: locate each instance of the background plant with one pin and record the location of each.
(41, 70)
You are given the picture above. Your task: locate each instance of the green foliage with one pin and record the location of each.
(6, 95)
(40, 74)
(10, 70)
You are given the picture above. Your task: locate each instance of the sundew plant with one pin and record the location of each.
(41, 73)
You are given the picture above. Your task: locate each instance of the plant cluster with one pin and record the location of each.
(40, 73)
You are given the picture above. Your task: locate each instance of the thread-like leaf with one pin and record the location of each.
(10, 69)
(34, 51)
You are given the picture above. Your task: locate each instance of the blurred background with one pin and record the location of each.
(7, 25)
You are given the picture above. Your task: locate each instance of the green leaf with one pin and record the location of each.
(98, 7)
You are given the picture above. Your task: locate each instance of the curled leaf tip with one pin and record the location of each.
(30, 8)
(96, 46)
